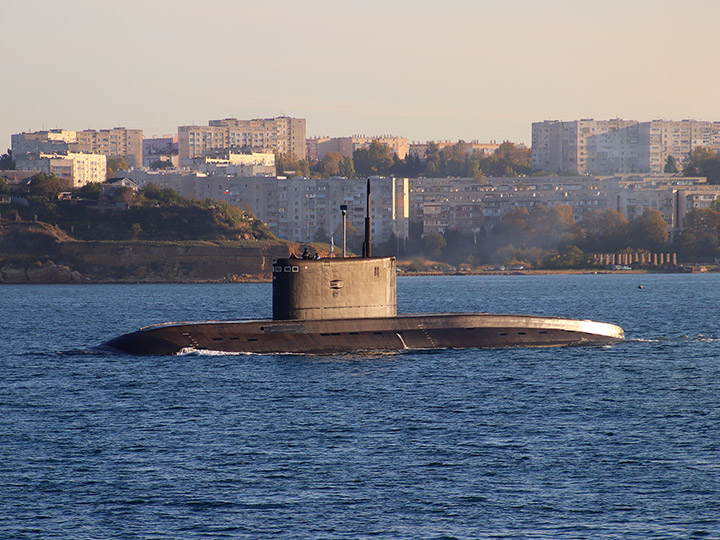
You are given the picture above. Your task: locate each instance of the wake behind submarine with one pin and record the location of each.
(336, 305)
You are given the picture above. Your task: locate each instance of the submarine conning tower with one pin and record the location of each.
(342, 288)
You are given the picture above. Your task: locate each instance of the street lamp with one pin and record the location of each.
(343, 209)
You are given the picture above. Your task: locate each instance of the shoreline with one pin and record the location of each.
(263, 279)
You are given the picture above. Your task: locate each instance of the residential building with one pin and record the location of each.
(607, 147)
(465, 205)
(54, 141)
(78, 168)
(298, 209)
(283, 134)
(164, 148)
(113, 143)
(117, 142)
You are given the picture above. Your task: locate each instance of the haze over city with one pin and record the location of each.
(422, 70)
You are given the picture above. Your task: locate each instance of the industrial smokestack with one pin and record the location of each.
(367, 244)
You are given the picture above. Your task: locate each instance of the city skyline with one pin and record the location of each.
(463, 70)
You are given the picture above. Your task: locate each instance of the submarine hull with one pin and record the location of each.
(433, 331)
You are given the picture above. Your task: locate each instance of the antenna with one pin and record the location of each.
(367, 244)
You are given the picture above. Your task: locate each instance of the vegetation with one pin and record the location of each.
(377, 159)
(150, 213)
(703, 162)
(541, 237)
(6, 161)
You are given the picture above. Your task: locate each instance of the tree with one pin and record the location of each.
(91, 191)
(6, 161)
(346, 167)
(47, 187)
(649, 231)
(116, 164)
(433, 244)
(604, 231)
(160, 164)
(569, 257)
(671, 165)
(373, 160)
(703, 162)
(125, 195)
(4, 187)
(508, 160)
(700, 236)
(329, 165)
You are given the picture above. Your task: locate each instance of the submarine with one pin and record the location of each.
(349, 304)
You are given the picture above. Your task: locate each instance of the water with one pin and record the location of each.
(589, 442)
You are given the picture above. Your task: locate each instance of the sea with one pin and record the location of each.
(591, 442)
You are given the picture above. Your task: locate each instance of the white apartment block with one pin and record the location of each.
(116, 142)
(78, 168)
(298, 209)
(283, 134)
(606, 147)
(463, 204)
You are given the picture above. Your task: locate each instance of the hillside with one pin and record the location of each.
(41, 253)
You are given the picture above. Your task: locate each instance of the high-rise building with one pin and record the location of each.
(608, 147)
(283, 134)
(112, 143)
(117, 142)
(77, 168)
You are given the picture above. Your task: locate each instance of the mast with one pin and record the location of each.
(367, 244)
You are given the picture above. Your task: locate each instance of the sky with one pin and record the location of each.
(425, 70)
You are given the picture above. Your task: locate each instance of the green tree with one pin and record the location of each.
(671, 165)
(329, 165)
(508, 160)
(46, 187)
(700, 236)
(161, 164)
(4, 187)
(433, 244)
(604, 231)
(648, 231)
(346, 167)
(703, 162)
(376, 159)
(569, 257)
(124, 195)
(116, 164)
(6, 161)
(91, 191)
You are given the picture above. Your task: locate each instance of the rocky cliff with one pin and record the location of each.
(41, 253)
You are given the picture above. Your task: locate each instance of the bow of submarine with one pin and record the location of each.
(141, 343)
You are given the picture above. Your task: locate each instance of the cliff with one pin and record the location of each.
(41, 253)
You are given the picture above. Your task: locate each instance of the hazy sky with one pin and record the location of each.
(451, 69)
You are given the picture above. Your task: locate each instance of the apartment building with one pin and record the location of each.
(54, 141)
(282, 134)
(78, 168)
(298, 209)
(464, 205)
(164, 148)
(607, 147)
(116, 142)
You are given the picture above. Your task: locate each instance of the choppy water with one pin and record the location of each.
(596, 442)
